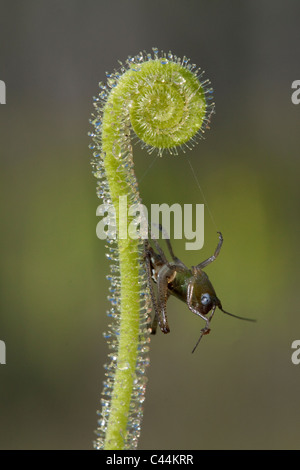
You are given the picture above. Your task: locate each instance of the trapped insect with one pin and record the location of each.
(192, 286)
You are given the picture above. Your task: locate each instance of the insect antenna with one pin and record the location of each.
(206, 330)
(236, 316)
(202, 333)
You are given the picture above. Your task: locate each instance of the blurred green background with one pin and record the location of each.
(240, 389)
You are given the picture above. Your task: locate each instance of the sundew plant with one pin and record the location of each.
(166, 103)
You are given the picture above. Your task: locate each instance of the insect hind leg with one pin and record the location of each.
(159, 316)
(166, 236)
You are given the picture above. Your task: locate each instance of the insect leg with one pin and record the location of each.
(154, 324)
(175, 259)
(190, 290)
(213, 257)
(157, 315)
(160, 251)
(166, 237)
(165, 275)
(159, 305)
(204, 330)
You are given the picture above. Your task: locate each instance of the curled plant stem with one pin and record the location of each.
(164, 102)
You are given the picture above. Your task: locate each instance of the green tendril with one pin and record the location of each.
(166, 103)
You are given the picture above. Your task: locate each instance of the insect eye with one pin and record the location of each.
(205, 299)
